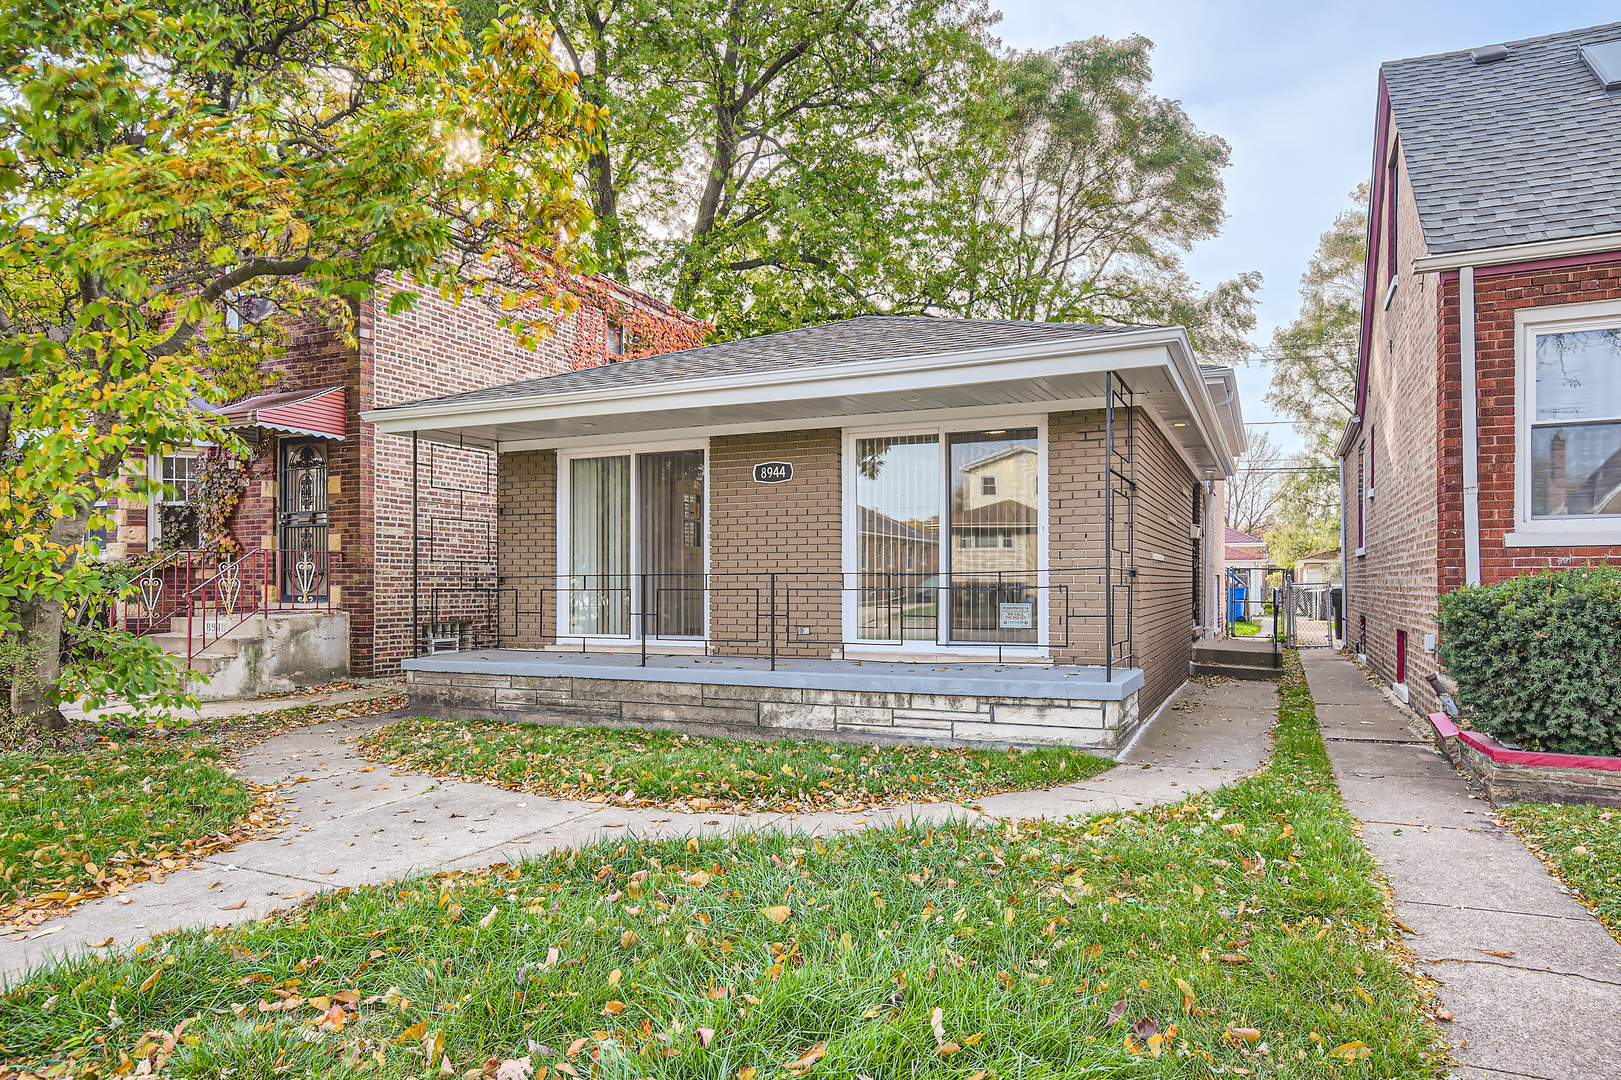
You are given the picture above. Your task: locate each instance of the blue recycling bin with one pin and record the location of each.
(1235, 602)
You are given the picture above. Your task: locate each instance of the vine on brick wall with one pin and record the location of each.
(643, 332)
(222, 477)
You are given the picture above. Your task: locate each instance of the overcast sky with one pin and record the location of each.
(1291, 87)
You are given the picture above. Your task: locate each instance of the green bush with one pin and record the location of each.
(1538, 658)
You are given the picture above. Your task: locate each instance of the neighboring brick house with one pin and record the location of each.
(933, 491)
(1487, 436)
(358, 514)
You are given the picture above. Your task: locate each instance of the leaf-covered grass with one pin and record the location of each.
(1241, 930)
(659, 768)
(71, 818)
(1582, 845)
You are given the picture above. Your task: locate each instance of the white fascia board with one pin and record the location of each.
(1513, 253)
(1124, 350)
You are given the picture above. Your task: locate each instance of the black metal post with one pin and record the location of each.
(416, 577)
(773, 622)
(643, 613)
(1108, 526)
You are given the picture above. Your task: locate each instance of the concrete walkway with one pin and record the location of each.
(355, 823)
(1532, 980)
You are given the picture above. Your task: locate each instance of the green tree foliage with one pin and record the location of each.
(1535, 658)
(770, 165)
(1072, 195)
(1313, 383)
(163, 166)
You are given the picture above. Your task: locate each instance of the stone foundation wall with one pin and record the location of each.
(776, 712)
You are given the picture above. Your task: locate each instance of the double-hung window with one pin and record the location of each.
(632, 556)
(173, 518)
(1569, 431)
(945, 539)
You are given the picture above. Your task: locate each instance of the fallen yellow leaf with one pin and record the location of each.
(150, 981)
(614, 976)
(777, 913)
(613, 1008)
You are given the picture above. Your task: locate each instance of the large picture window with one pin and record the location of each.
(947, 544)
(635, 544)
(1575, 429)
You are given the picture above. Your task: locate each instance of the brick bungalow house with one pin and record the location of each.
(886, 527)
(325, 483)
(1487, 436)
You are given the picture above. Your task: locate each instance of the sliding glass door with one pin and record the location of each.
(947, 542)
(635, 557)
(994, 518)
(670, 546)
(599, 583)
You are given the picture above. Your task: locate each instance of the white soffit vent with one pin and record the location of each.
(1489, 54)
(1604, 61)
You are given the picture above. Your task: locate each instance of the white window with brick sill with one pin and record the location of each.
(1567, 426)
(177, 472)
(945, 538)
(628, 518)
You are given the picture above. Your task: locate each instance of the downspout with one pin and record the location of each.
(1471, 438)
(1345, 563)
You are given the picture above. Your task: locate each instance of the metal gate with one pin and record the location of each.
(1308, 615)
(303, 522)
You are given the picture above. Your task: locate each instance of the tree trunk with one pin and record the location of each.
(33, 685)
(35, 693)
(720, 171)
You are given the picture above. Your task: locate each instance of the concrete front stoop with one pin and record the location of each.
(1532, 980)
(1236, 658)
(266, 654)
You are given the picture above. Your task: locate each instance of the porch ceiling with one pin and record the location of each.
(1155, 365)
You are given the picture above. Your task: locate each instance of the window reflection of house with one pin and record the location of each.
(993, 504)
(889, 546)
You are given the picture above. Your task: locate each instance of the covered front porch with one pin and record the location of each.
(858, 700)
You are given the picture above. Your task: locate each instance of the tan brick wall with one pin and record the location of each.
(792, 529)
(527, 548)
(1164, 620)
(1162, 594)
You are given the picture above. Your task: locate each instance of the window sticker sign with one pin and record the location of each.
(773, 472)
(1017, 616)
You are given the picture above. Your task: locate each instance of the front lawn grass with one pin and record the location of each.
(1240, 932)
(660, 768)
(70, 818)
(1582, 845)
(1245, 628)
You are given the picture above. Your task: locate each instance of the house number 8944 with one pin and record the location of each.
(773, 472)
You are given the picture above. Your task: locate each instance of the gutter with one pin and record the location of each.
(1514, 253)
(1470, 405)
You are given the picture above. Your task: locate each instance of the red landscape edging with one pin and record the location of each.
(1502, 755)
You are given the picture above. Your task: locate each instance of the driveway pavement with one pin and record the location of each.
(353, 823)
(1532, 980)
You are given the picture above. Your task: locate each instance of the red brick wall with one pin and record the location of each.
(1412, 438)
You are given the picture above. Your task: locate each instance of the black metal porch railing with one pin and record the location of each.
(1060, 616)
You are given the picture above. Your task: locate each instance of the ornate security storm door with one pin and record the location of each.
(302, 513)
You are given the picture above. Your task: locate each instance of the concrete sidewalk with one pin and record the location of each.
(1532, 980)
(354, 823)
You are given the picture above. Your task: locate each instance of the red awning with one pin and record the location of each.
(297, 412)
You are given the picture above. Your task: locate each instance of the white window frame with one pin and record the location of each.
(561, 632)
(155, 503)
(1551, 532)
(905, 649)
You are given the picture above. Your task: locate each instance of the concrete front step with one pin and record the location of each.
(178, 644)
(1238, 671)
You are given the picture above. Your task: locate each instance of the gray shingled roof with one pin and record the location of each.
(1512, 152)
(870, 337)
